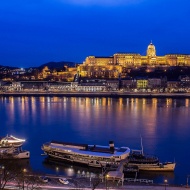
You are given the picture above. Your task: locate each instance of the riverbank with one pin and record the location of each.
(128, 185)
(85, 183)
(97, 94)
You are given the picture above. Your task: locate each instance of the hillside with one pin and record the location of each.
(61, 64)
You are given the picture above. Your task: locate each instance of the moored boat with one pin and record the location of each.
(11, 148)
(11, 141)
(166, 166)
(91, 155)
(14, 153)
(148, 162)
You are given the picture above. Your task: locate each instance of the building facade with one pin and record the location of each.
(110, 67)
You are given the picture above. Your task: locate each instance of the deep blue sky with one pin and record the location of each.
(33, 32)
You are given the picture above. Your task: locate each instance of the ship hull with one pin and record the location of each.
(74, 159)
(168, 167)
(14, 153)
(21, 155)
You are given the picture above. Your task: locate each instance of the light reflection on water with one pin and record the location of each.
(163, 124)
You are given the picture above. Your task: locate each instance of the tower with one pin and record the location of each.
(151, 50)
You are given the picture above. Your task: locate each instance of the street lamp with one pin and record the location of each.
(103, 171)
(107, 181)
(188, 180)
(90, 180)
(165, 182)
(24, 172)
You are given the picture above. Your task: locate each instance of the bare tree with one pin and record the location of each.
(8, 171)
(27, 180)
(33, 182)
(11, 169)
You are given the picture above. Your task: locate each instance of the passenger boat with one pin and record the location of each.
(90, 155)
(14, 153)
(166, 166)
(148, 162)
(11, 141)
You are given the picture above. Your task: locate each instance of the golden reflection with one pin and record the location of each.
(42, 99)
(120, 101)
(168, 102)
(143, 104)
(144, 101)
(104, 101)
(23, 107)
(155, 102)
(132, 103)
(12, 109)
(186, 102)
(108, 102)
(33, 105)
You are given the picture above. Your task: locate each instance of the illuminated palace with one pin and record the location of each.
(111, 67)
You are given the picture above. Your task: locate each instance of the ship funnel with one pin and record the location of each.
(111, 144)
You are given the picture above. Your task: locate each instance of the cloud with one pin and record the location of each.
(102, 2)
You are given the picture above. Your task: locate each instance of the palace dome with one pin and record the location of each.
(151, 50)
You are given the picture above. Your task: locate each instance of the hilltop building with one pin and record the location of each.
(113, 66)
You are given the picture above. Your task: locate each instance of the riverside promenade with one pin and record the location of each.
(126, 187)
(85, 183)
(146, 187)
(154, 187)
(113, 94)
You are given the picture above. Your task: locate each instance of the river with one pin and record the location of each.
(163, 124)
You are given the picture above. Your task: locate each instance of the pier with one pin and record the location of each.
(118, 174)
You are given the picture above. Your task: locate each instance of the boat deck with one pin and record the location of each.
(87, 150)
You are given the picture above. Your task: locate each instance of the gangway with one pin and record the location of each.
(118, 174)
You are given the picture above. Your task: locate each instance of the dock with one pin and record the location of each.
(118, 174)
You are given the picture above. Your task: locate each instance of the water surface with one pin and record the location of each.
(162, 123)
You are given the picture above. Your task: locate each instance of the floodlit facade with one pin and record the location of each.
(111, 67)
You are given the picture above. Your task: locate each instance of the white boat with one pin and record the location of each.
(14, 153)
(148, 162)
(91, 155)
(11, 141)
(167, 167)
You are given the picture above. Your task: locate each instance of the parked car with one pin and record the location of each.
(63, 181)
(44, 179)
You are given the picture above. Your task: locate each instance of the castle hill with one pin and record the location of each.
(123, 73)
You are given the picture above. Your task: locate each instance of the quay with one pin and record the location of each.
(84, 183)
(113, 94)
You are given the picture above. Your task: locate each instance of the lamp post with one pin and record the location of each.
(90, 180)
(165, 182)
(24, 171)
(103, 171)
(107, 181)
(188, 180)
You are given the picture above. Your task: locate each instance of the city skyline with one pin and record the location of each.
(36, 32)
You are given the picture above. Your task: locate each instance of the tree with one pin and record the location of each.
(18, 172)
(8, 172)
(27, 180)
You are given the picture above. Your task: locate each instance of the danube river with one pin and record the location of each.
(164, 125)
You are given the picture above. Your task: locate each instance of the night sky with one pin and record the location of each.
(33, 32)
